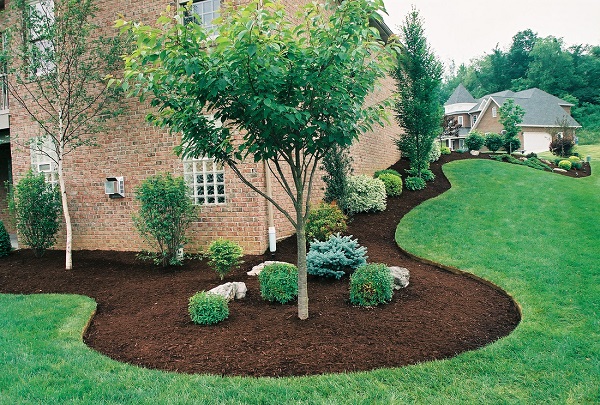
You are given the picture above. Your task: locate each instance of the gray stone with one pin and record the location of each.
(559, 170)
(546, 161)
(259, 267)
(230, 291)
(401, 277)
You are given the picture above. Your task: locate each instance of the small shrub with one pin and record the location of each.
(37, 209)
(461, 150)
(577, 165)
(393, 184)
(365, 194)
(414, 183)
(324, 221)
(335, 257)
(511, 144)
(386, 171)
(371, 285)
(5, 245)
(531, 155)
(165, 214)
(536, 164)
(436, 152)
(279, 282)
(207, 309)
(474, 141)
(223, 255)
(565, 164)
(493, 142)
(562, 146)
(574, 159)
(444, 150)
(426, 174)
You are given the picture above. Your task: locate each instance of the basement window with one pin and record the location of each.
(206, 180)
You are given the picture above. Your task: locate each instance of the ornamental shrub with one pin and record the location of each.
(426, 174)
(393, 184)
(414, 183)
(279, 282)
(436, 151)
(223, 255)
(574, 159)
(324, 221)
(445, 150)
(536, 164)
(474, 141)
(335, 257)
(371, 285)
(386, 171)
(365, 194)
(493, 142)
(565, 164)
(511, 144)
(338, 167)
(562, 146)
(577, 165)
(207, 308)
(165, 214)
(5, 245)
(37, 209)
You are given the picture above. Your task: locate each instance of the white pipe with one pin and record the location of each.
(270, 219)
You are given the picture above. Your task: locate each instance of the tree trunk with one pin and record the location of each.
(65, 207)
(302, 273)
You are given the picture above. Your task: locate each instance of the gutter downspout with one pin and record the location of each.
(270, 219)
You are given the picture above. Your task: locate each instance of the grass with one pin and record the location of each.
(541, 247)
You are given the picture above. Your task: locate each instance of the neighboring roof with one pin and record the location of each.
(460, 95)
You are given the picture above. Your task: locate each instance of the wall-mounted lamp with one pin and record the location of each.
(114, 187)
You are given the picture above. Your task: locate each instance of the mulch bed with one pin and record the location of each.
(142, 314)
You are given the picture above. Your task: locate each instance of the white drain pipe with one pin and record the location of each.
(270, 219)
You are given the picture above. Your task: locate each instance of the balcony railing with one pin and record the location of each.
(3, 92)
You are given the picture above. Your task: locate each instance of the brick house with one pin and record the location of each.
(543, 113)
(134, 150)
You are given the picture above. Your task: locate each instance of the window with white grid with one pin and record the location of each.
(44, 158)
(41, 20)
(206, 180)
(205, 12)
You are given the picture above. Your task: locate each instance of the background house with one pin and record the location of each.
(544, 114)
(135, 150)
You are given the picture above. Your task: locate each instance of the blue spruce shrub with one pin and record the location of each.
(335, 257)
(364, 194)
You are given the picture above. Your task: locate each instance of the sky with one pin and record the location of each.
(461, 30)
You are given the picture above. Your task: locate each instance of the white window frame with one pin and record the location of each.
(494, 112)
(46, 8)
(205, 177)
(44, 159)
(205, 12)
(460, 120)
(474, 120)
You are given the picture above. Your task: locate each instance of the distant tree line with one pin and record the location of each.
(571, 73)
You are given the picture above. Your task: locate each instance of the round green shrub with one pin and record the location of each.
(436, 152)
(577, 165)
(365, 194)
(474, 141)
(335, 257)
(207, 309)
(493, 142)
(386, 171)
(279, 282)
(223, 255)
(5, 245)
(574, 159)
(444, 150)
(426, 174)
(512, 145)
(371, 285)
(393, 184)
(565, 164)
(414, 183)
(324, 221)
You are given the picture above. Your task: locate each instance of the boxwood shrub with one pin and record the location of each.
(324, 221)
(386, 171)
(371, 285)
(393, 184)
(335, 257)
(207, 308)
(444, 150)
(279, 282)
(414, 183)
(365, 194)
(565, 164)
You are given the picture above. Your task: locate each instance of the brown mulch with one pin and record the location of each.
(142, 314)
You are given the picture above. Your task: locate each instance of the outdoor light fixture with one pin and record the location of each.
(114, 187)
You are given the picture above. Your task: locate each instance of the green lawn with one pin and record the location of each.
(536, 234)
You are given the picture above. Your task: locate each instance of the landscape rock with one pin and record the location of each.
(401, 277)
(259, 267)
(545, 161)
(230, 291)
(559, 170)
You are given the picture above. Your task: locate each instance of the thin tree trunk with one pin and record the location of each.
(65, 207)
(302, 270)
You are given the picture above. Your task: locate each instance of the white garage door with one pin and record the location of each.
(536, 141)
